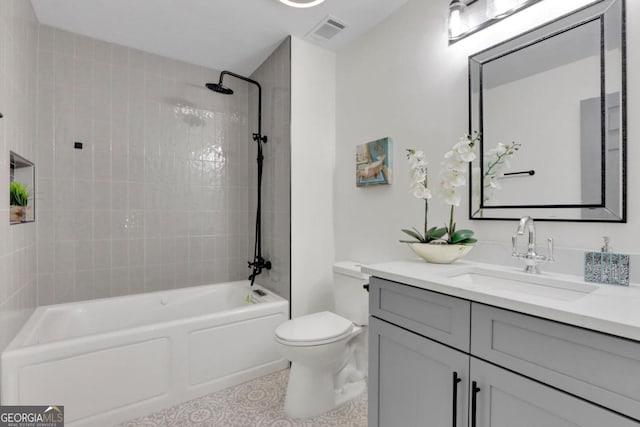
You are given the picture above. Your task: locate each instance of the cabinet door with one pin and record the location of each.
(440, 317)
(505, 399)
(414, 381)
(588, 364)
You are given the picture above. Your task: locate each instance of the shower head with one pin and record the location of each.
(220, 88)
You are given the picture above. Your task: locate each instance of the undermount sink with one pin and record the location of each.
(542, 285)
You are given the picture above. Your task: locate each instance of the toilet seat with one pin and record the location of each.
(314, 329)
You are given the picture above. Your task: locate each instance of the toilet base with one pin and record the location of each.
(349, 392)
(310, 391)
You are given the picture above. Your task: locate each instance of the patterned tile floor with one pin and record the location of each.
(257, 403)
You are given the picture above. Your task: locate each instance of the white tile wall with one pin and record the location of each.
(18, 45)
(275, 77)
(157, 198)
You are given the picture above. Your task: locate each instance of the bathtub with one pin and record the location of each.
(114, 359)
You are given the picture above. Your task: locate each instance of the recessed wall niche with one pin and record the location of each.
(21, 190)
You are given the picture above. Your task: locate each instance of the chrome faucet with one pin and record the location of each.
(531, 258)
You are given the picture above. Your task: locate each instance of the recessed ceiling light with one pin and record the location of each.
(301, 3)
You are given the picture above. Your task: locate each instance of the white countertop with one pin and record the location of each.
(605, 308)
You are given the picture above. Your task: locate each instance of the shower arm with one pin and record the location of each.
(257, 137)
(258, 263)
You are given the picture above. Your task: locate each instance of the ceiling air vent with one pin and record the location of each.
(327, 29)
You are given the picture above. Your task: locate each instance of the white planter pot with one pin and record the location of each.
(440, 254)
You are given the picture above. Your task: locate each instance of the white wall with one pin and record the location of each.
(403, 80)
(313, 133)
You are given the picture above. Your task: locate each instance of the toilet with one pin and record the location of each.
(328, 350)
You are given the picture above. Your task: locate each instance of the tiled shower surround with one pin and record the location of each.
(18, 47)
(275, 77)
(157, 197)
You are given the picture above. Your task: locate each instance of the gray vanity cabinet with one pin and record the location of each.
(417, 382)
(430, 314)
(505, 399)
(596, 367)
(550, 384)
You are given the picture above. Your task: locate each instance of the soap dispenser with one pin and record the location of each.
(606, 267)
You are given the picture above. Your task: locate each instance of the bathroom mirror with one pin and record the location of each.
(550, 106)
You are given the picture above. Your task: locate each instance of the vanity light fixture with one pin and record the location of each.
(467, 17)
(301, 3)
(458, 25)
(497, 9)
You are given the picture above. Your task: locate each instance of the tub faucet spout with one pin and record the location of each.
(258, 265)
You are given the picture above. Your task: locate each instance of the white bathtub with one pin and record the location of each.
(114, 359)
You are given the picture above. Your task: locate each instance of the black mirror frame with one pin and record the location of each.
(591, 12)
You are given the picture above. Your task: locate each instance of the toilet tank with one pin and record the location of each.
(351, 299)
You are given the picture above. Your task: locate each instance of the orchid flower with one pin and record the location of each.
(453, 177)
(419, 173)
(497, 162)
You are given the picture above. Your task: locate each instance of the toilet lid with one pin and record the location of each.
(314, 327)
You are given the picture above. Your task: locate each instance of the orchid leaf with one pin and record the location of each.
(414, 234)
(469, 241)
(461, 235)
(436, 233)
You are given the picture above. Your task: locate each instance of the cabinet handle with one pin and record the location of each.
(456, 381)
(474, 393)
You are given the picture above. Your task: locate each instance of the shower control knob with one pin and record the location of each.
(260, 138)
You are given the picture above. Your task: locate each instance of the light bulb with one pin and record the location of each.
(499, 8)
(457, 19)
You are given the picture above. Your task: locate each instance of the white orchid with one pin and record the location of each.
(463, 150)
(452, 178)
(454, 168)
(494, 184)
(416, 158)
(451, 196)
(419, 174)
(421, 192)
(497, 161)
(499, 149)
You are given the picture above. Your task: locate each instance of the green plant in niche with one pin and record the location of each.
(18, 194)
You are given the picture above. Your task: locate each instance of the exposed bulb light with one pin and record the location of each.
(457, 19)
(497, 9)
(301, 3)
